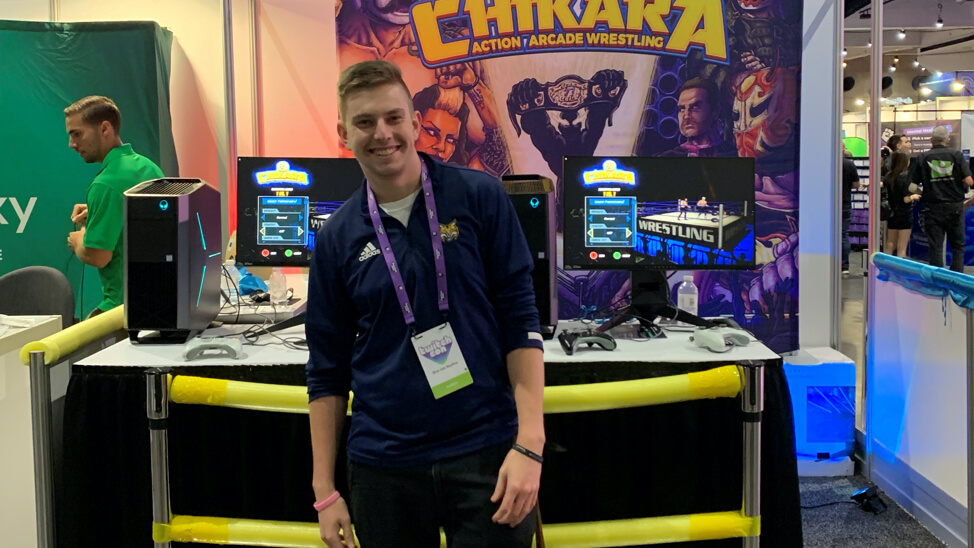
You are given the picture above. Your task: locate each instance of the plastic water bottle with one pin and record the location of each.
(277, 286)
(233, 286)
(686, 296)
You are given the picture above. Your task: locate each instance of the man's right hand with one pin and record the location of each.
(79, 215)
(335, 526)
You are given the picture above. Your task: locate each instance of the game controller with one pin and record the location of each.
(197, 346)
(720, 339)
(571, 340)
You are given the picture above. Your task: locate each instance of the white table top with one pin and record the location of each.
(127, 354)
(14, 338)
(676, 348)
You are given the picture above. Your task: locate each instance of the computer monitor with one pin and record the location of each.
(282, 202)
(658, 213)
(649, 215)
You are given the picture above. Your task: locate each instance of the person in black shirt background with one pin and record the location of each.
(901, 200)
(945, 177)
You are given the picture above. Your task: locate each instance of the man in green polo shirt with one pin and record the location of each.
(93, 125)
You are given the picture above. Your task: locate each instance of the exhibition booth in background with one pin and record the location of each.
(207, 88)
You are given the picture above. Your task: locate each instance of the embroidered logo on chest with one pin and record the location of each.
(450, 231)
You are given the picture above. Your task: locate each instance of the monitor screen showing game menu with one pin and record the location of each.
(282, 202)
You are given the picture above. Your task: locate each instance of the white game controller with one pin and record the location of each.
(720, 339)
(196, 347)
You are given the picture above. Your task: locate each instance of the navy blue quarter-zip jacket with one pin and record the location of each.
(358, 338)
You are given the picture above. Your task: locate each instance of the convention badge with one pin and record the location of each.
(443, 363)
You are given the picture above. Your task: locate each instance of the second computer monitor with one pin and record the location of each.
(282, 202)
(658, 213)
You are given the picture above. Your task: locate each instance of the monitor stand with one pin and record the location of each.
(650, 300)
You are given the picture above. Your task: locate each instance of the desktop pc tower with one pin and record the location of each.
(172, 259)
(534, 201)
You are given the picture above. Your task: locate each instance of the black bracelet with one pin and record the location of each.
(528, 453)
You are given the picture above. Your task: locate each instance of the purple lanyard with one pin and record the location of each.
(389, 256)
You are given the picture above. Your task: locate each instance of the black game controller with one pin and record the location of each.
(571, 340)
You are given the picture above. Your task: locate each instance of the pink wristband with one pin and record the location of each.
(321, 505)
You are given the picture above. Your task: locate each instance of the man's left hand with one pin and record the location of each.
(75, 239)
(517, 488)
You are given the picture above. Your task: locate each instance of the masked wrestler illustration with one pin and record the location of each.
(380, 29)
(765, 41)
(566, 117)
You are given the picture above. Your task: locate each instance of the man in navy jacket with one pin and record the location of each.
(420, 301)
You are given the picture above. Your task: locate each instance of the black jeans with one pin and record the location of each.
(846, 246)
(405, 507)
(940, 220)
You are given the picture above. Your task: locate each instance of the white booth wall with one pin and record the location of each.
(917, 396)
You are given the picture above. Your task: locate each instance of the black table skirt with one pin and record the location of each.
(664, 460)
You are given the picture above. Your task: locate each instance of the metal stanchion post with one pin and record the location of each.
(752, 403)
(157, 410)
(40, 409)
(970, 426)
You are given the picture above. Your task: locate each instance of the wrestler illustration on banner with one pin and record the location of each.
(566, 117)
(766, 43)
(698, 116)
(445, 111)
(380, 29)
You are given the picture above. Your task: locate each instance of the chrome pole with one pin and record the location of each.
(157, 411)
(752, 403)
(970, 426)
(40, 409)
(875, 162)
(230, 97)
(255, 79)
(838, 13)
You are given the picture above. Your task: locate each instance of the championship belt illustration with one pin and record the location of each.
(568, 93)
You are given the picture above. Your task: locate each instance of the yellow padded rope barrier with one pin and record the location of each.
(77, 336)
(628, 532)
(722, 382)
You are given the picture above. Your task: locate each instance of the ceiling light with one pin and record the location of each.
(940, 16)
(901, 34)
(957, 85)
(916, 63)
(845, 52)
(844, 64)
(940, 22)
(925, 90)
(860, 102)
(937, 73)
(892, 68)
(869, 44)
(896, 59)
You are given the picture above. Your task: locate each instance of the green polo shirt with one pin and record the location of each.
(121, 170)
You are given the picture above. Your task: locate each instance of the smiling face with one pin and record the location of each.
(381, 128)
(439, 133)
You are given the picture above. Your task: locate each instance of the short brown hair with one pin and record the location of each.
(368, 75)
(96, 109)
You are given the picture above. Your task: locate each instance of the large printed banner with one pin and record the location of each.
(510, 86)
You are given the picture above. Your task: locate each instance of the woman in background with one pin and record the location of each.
(901, 200)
